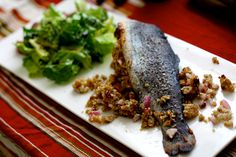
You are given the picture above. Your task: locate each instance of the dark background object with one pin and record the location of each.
(119, 2)
(116, 2)
(217, 4)
(216, 10)
(99, 2)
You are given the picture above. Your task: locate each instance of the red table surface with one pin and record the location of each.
(198, 27)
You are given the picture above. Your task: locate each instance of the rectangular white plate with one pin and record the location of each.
(147, 142)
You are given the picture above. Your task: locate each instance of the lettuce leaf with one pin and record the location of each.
(59, 46)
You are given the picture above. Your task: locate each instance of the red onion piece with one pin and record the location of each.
(94, 113)
(147, 101)
(213, 120)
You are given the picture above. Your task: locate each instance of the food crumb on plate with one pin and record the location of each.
(222, 114)
(215, 60)
(226, 84)
(202, 118)
(229, 124)
(85, 85)
(213, 104)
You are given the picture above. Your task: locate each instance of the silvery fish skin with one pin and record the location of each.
(151, 61)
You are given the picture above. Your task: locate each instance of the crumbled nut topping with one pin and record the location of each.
(163, 99)
(190, 111)
(189, 83)
(165, 117)
(148, 119)
(83, 86)
(226, 84)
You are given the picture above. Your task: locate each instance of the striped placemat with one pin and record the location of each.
(32, 124)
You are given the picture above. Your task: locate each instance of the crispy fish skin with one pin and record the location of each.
(151, 61)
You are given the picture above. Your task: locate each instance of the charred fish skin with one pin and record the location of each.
(150, 60)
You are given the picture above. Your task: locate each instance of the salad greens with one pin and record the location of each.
(59, 46)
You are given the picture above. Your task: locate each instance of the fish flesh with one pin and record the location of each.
(153, 69)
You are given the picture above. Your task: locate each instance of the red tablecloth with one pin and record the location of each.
(33, 124)
(214, 33)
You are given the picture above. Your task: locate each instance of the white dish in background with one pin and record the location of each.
(147, 142)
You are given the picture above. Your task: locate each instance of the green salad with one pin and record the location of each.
(60, 45)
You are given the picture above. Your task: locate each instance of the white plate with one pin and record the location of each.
(147, 142)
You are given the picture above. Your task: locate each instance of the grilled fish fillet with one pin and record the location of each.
(153, 69)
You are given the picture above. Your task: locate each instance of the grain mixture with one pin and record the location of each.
(115, 94)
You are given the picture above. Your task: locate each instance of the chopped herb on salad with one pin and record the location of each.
(59, 46)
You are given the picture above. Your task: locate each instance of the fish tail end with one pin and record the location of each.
(184, 144)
